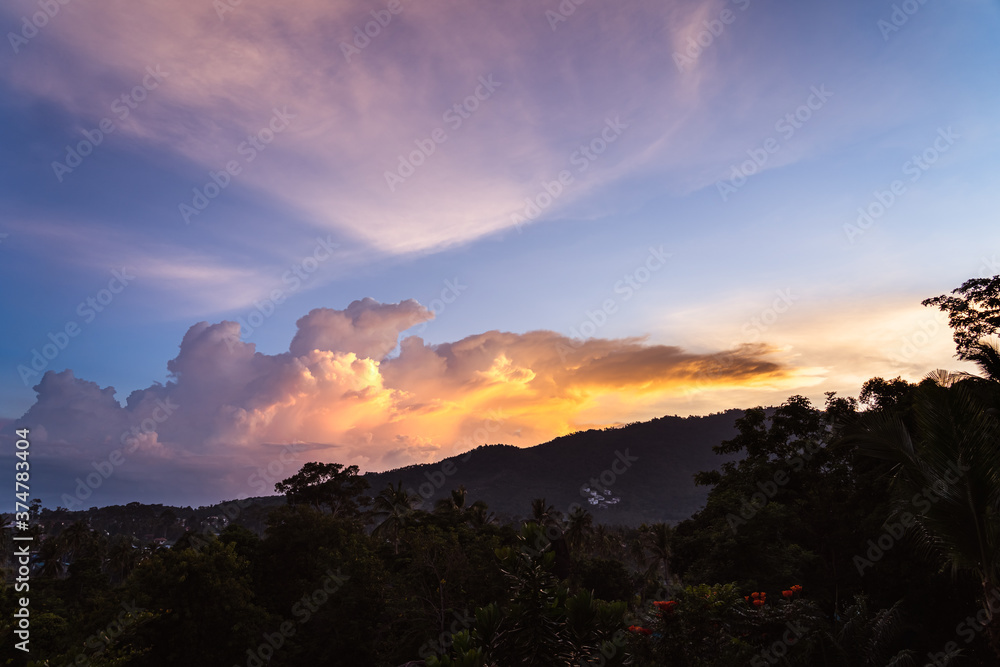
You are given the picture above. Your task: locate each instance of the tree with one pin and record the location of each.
(795, 508)
(330, 484)
(51, 554)
(77, 539)
(986, 355)
(880, 394)
(973, 312)
(544, 515)
(951, 456)
(204, 609)
(579, 526)
(866, 637)
(656, 541)
(393, 509)
(122, 558)
(539, 622)
(479, 515)
(454, 503)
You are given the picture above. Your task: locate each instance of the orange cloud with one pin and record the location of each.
(340, 395)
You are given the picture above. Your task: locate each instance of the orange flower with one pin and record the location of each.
(787, 594)
(758, 603)
(639, 630)
(796, 588)
(666, 606)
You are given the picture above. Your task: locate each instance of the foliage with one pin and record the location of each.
(973, 312)
(802, 493)
(329, 485)
(946, 472)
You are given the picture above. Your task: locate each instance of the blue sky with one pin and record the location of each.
(744, 167)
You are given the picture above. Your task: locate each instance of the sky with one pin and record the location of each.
(237, 236)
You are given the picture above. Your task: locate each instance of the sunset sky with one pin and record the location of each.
(240, 234)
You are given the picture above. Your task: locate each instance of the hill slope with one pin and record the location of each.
(647, 469)
(638, 473)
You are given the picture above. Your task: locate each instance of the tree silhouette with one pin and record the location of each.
(544, 515)
(973, 312)
(656, 542)
(392, 507)
(578, 528)
(953, 450)
(51, 555)
(122, 557)
(326, 484)
(454, 503)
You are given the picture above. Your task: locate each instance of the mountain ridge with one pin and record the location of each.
(641, 472)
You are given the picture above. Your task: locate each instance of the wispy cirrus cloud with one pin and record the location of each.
(353, 121)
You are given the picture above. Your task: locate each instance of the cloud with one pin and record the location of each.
(354, 121)
(366, 328)
(228, 412)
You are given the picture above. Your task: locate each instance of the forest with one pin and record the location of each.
(864, 531)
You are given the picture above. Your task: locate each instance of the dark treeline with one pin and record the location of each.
(858, 532)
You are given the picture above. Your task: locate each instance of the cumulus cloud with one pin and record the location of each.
(366, 328)
(228, 412)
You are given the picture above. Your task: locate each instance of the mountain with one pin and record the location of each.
(642, 472)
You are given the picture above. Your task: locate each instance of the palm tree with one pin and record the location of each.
(6, 545)
(578, 528)
(77, 539)
(865, 637)
(604, 541)
(453, 503)
(123, 556)
(655, 540)
(952, 456)
(544, 515)
(480, 515)
(986, 355)
(394, 506)
(51, 554)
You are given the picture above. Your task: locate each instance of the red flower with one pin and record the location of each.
(666, 607)
(796, 588)
(787, 594)
(758, 603)
(639, 630)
